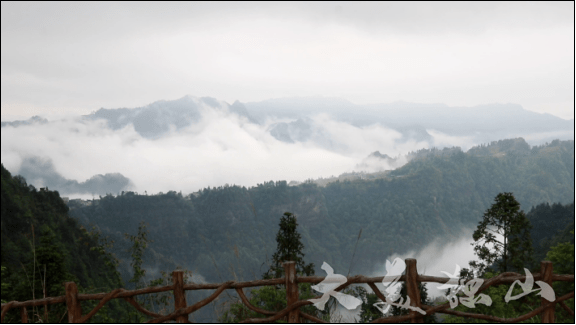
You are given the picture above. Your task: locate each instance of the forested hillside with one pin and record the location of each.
(552, 225)
(228, 232)
(42, 247)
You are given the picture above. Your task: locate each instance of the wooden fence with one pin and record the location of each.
(72, 299)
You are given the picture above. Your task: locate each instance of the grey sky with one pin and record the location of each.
(63, 58)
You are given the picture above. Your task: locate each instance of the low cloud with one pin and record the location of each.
(211, 145)
(220, 147)
(444, 140)
(438, 256)
(543, 137)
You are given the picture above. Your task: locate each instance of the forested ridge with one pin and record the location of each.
(551, 225)
(42, 247)
(228, 232)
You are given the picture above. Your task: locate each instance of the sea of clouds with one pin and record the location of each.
(219, 148)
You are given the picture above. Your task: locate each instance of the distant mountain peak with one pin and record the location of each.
(42, 172)
(33, 120)
(155, 119)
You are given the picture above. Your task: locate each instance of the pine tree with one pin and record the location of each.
(289, 248)
(515, 250)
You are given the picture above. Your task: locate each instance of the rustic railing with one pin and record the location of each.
(292, 313)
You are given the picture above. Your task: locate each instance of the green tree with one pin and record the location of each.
(139, 244)
(562, 258)
(289, 248)
(506, 219)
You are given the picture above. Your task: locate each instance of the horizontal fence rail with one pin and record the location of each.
(292, 313)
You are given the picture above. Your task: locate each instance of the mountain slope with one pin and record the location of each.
(40, 241)
(229, 231)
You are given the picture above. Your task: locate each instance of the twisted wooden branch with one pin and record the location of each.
(279, 314)
(313, 318)
(250, 306)
(193, 308)
(504, 278)
(141, 309)
(395, 319)
(125, 293)
(495, 319)
(193, 286)
(5, 309)
(566, 308)
(349, 281)
(234, 285)
(377, 291)
(34, 303)
(563, 277)
(283, 312)
(499, 319)
(104, 300)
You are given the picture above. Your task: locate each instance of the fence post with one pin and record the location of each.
(72, 302)
(412, 288)
(24, 315)
(546, 271)
(291, 289)
(179, 294)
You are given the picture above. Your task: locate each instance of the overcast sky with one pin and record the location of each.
(62, 58)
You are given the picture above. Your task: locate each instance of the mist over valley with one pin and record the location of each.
(142, 138)
(192, 143)
(339, 167)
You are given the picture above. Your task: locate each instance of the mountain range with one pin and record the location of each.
(333, 125)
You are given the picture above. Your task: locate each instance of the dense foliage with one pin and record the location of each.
(562, 257)
(551, 225)
(513, 308)
(42, 247)
(229, 231)
(555, 239)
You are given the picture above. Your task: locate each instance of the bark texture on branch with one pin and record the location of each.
(546, 271)
(412, 288)
(72, 303)
(179, 295)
